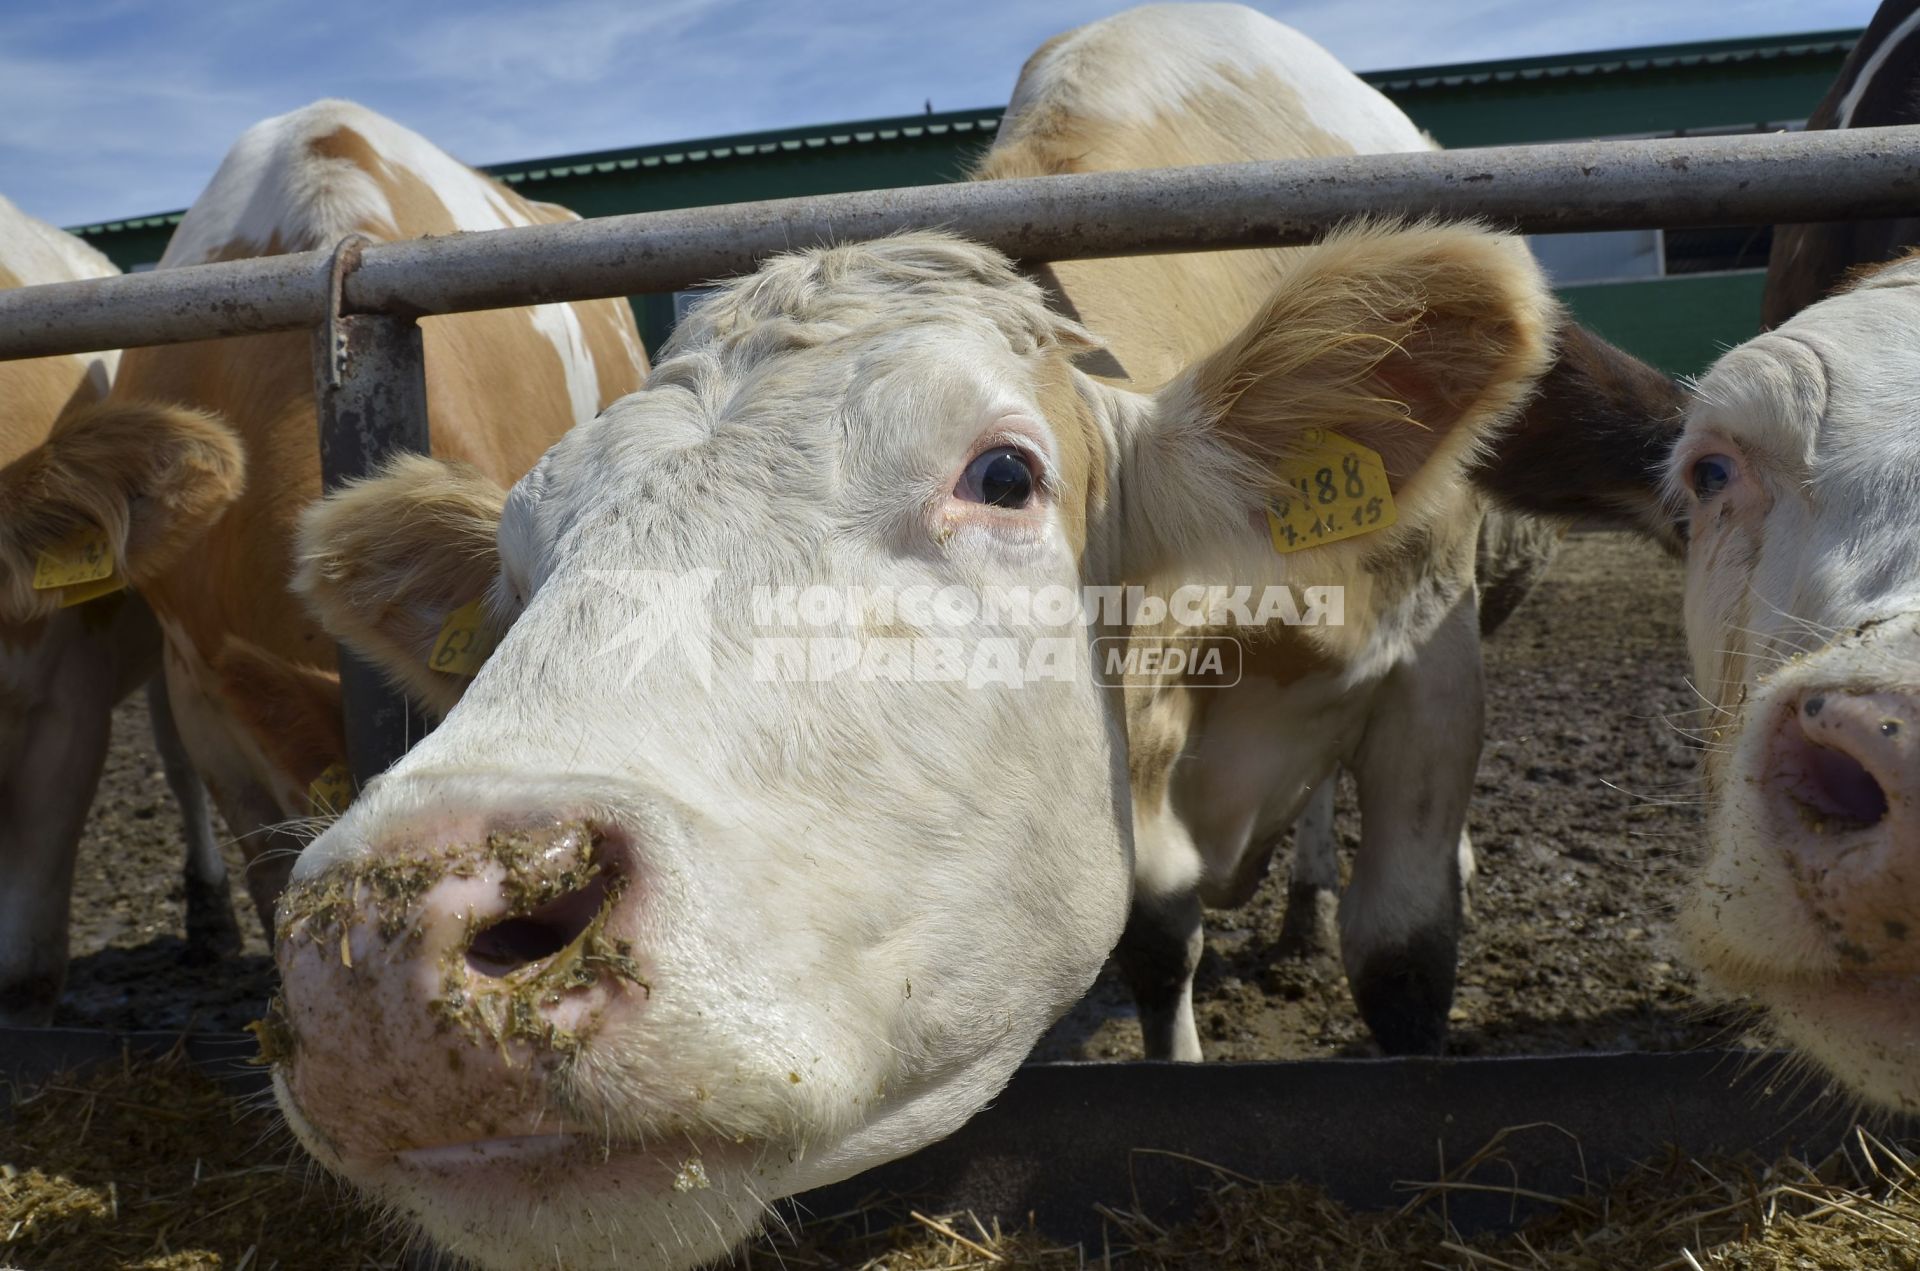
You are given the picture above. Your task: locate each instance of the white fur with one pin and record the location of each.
(1803, 578)
(808, 839)
(35, 252)
(272, 187)
(1155, 58)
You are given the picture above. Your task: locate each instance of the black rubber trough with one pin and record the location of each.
(1065, 1138)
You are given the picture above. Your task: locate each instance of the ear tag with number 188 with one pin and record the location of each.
(1335, 489)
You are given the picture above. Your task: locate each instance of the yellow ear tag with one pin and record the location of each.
(464, 642)
(85, 556)
(332, 790)
(1336, 489)
(83, 592)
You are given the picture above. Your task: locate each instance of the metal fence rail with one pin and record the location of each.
(1764, 179)
(363, 301)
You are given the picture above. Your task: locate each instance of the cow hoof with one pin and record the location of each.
(1404, 995)
(1309, 928)
(212, 931)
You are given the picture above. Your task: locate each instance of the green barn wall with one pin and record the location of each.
(1679, 324)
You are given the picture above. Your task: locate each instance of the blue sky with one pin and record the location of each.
(113, 108)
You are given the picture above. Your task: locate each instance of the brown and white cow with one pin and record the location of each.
(122, 492)
(1793, 481)
(1219, 772)
(253, 678)
(663, 921)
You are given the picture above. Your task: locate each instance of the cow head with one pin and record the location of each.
(132, 485)
(669, 918)
(1798, 479)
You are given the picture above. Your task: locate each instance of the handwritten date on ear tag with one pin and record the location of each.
(1334, 489)
(332, 790)
(465, 641)
(84, 556)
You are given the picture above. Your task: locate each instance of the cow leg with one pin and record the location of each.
(1313, 878)
(1400, 917)
(211, 929)
(1158, 954)
(44, 796)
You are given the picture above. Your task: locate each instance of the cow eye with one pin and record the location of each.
(1001, 478)
(1711, 474)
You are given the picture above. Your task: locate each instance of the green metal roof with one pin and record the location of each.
(960, 127)
(958, 124)
(1612, 61)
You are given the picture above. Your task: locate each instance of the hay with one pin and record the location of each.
(1857, 1211)
(150, 1165)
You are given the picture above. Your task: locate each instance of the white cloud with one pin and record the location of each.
(124, 109)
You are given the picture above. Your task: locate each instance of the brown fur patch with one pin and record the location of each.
(1592, 443)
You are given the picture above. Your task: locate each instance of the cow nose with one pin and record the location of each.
(1845, 759)
(1841, 781)
(526, 940)
(493, 961)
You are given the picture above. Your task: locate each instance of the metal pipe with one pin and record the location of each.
(1765, 179)
(370, 371)
(165, 306)
(1758, 179)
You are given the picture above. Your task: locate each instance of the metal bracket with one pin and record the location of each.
(370, 381)
(345, 259)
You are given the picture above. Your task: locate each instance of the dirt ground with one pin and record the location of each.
(1582, 814)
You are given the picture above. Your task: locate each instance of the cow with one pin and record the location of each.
(1876, 88)
(664, 921)
(1788, 480)
(93, 497)
(253, 680)
(1220, 772)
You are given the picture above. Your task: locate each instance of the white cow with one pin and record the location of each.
(135, 486)
(1789, 479)
(665, 921)
(1799, 472)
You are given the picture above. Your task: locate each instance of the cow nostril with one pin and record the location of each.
(525, 939)
(1837, 785)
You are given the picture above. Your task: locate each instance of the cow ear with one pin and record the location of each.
(1414, 343)
(128, 486)
(1593, 443)
(387, 565)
